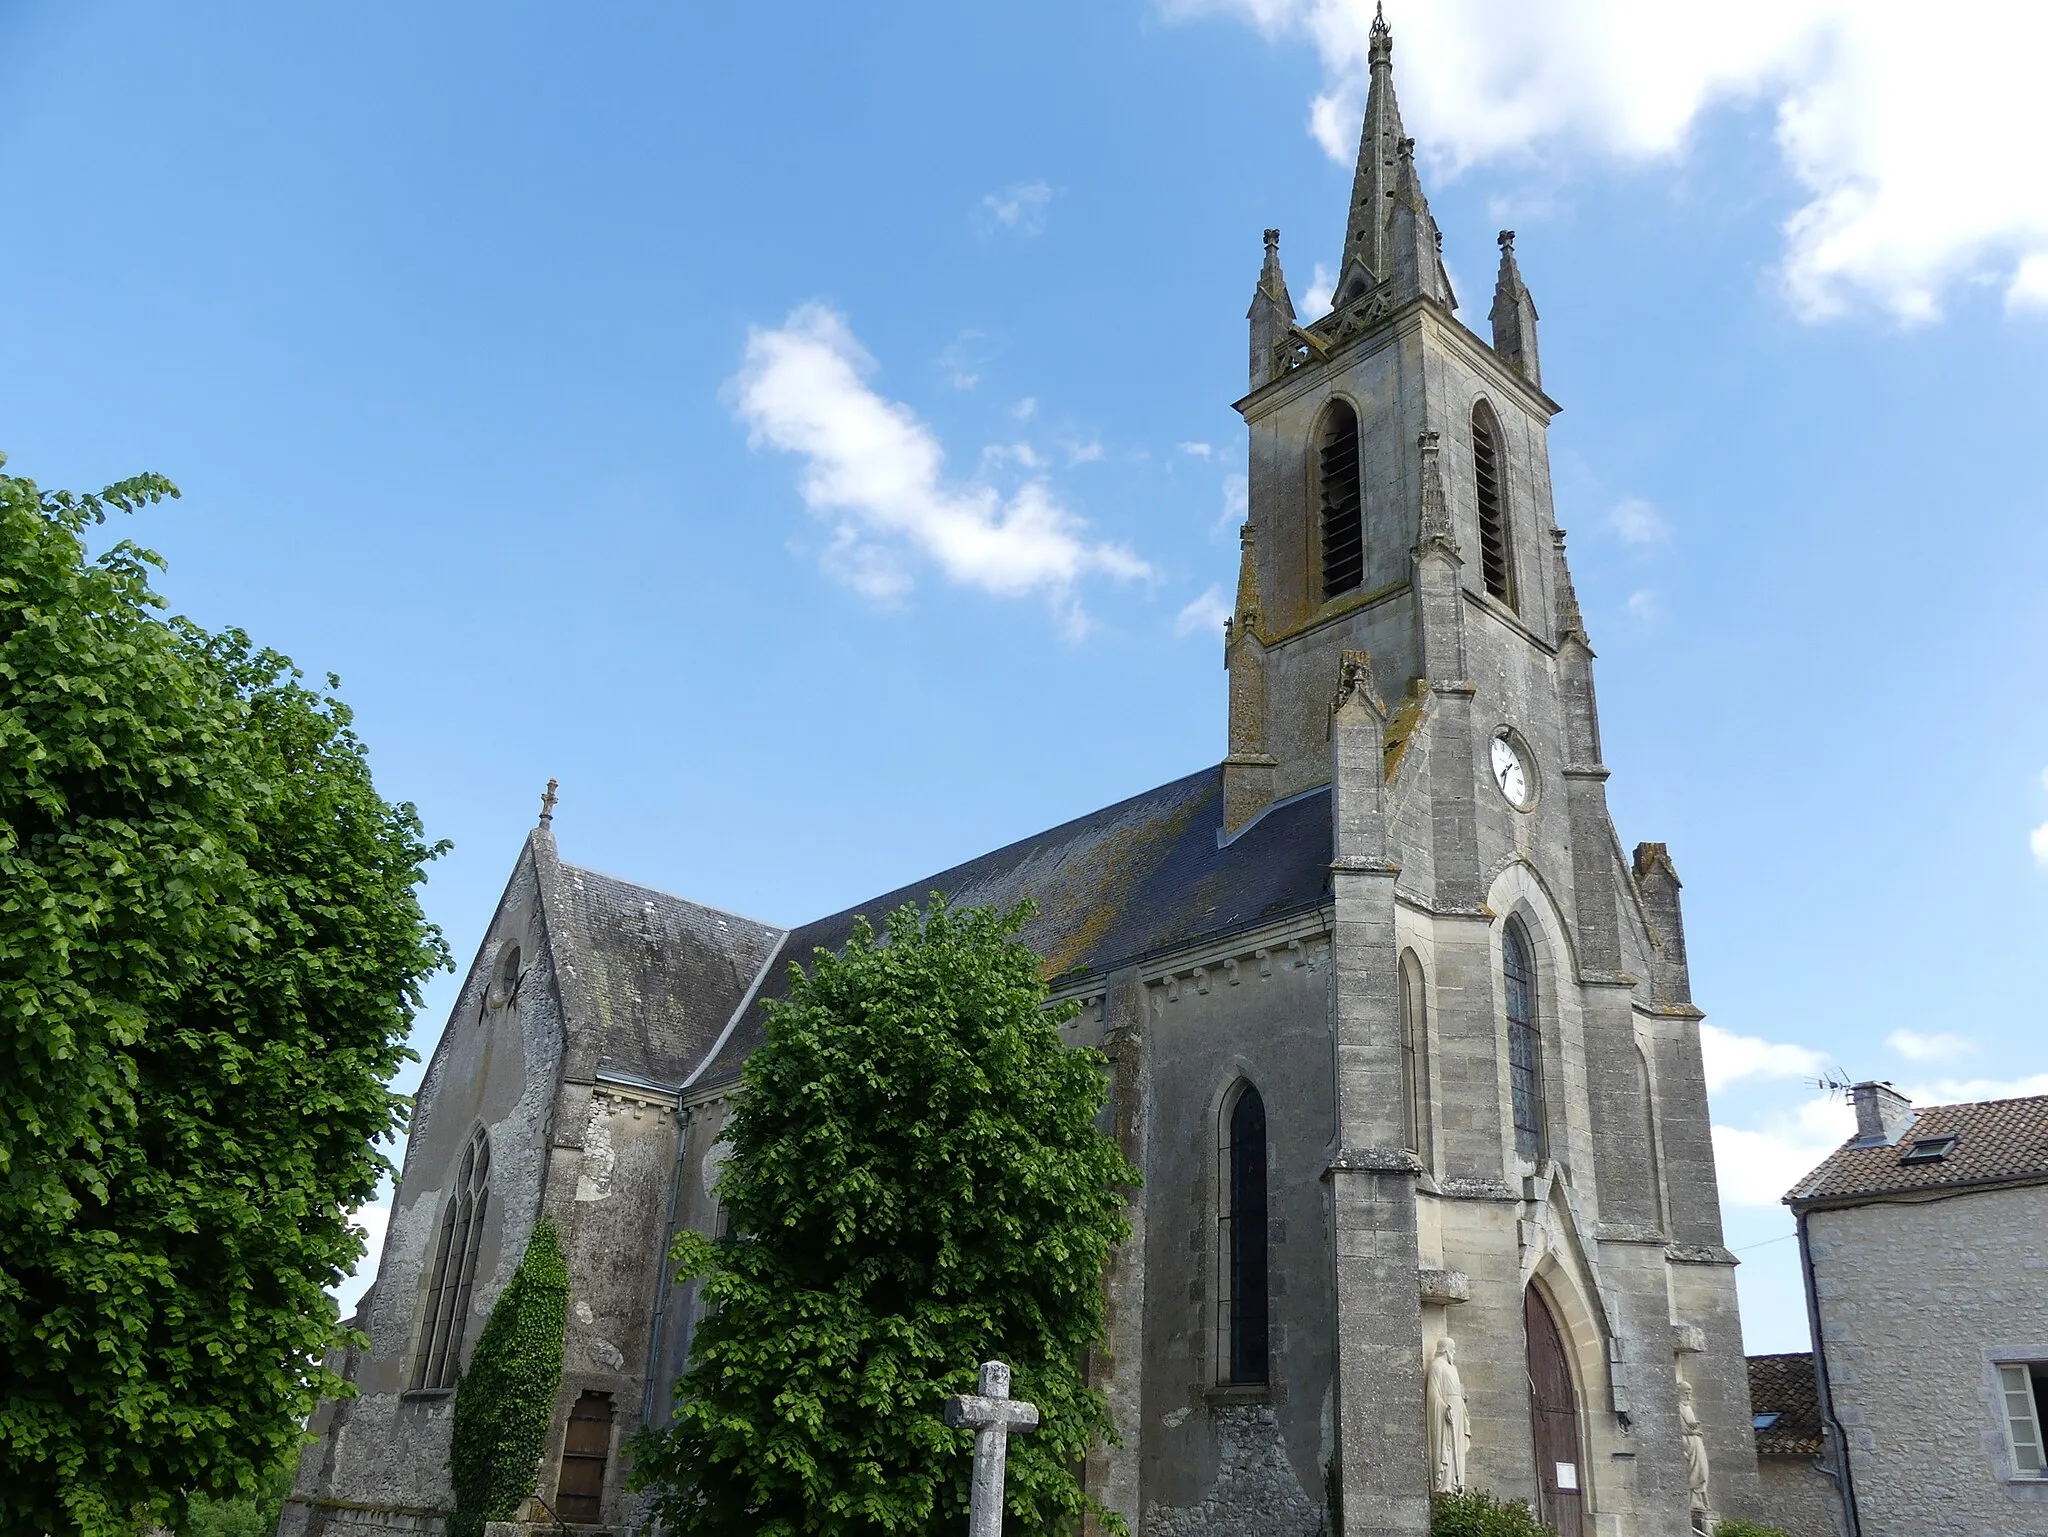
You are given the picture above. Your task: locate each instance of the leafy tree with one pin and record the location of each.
(505, 1399)
(1475, 1513)
(1748, 1529)
(917, 1184)
(246, 1515)
(210, 949)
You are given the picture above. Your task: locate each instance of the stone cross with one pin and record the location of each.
(994, 1417)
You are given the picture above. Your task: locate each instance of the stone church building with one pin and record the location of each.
(1402, 1039)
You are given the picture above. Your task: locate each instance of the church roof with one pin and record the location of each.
(1131, 880)
(663, 974)
(1953, 1147)
(1784, 1402)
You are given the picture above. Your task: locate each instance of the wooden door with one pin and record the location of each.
(1554, 1418)
(579, 1492)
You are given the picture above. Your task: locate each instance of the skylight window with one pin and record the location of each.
(1928, 1150)
(1764, 1421)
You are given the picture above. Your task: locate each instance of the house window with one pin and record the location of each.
(1525, 1045)
(2023, 1391)
(454, 1274)
(586, 1446)
(1343, 503)
(1244, 1235)
(1928, 1150)
(1496, 566)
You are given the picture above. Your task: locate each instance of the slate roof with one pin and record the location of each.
(1133, 879)
(663, 974)
(1784, 1385)
(1998, 1141)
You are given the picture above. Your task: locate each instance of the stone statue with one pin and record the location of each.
(1450, 1427)
(1695, 1445)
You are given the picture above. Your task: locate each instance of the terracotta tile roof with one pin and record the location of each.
(1784, 1386)
(1996, 1141)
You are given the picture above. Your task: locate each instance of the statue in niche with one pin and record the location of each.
(1695, 1445)
(1450, 1427)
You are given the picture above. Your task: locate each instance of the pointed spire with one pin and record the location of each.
(1514, 315)
(1364, 264)
(1414, 245)
(1271, 314)
(1433, 530)
(1571, 624)
(1246, 614)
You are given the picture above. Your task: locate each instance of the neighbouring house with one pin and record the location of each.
(1403, 1041)
(1784, 1402)
(1925, 1246)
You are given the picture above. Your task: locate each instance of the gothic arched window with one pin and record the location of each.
(454, 1277)
(1525, 1043)
(1342, 501)
(1496, 565)
(1415, 1056)
(1244, 1312)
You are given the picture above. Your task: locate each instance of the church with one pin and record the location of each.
(1401, 1039)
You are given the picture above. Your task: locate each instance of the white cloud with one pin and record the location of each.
(1912, 136)
(1643, 606)
(1638, 522)
(1198, 450)
(874, 470)
(1757, 1165)
(2037, 840)
(1916, 1047)
(1022, 207)
(1956, 1091)
(372, 1220)
(1315, 299)
(1025, 409)
(1203, 616)
(1730, 1058)
(996, 455)
(1237, 492)
(1084, 453)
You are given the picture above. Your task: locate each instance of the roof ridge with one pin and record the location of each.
(662, 891)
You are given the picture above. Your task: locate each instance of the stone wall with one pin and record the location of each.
(1799, 1497)
(1918, 1300)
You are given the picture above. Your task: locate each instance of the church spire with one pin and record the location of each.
(1390, 234)
(1372, 184)
(1514, 315)
(1271, 314)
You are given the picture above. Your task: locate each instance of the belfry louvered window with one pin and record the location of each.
(1495, 566)
(1342, 504)
(1525, 1044)
(1243, 1314)
(454, 1276)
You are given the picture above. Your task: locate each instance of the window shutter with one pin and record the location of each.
(2023, 1425)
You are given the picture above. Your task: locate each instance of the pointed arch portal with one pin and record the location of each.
(1554, 1420)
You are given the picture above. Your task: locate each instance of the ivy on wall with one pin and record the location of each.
(506, 1398)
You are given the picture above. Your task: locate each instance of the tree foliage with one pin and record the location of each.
(1748, 1529)
(1475, 1513)
(505, 1399)
(210, 950)
(917, 1184)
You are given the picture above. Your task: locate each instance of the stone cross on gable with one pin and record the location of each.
(994, 1417)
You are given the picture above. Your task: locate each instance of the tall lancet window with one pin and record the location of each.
(1496, 565)
(1525, 1043)
(1243, 1312)
(454, 1278)
(1342, 501)
(1415, 1057)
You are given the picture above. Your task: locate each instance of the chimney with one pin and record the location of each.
(1882, 1114)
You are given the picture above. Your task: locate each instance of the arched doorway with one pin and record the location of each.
(1554, 1419)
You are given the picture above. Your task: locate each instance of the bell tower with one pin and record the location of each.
(1399, 477)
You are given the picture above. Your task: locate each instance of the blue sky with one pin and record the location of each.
(462, 328)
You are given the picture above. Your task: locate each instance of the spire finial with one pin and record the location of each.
(1514, 315)
(1380, 29)
(1273, 240)
(1506, 241)
(547, 804)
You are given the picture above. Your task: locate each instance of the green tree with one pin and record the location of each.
(1475, 1513)
(1748, 1529)
(210, 950)
(917, 1184)
(505, 1399)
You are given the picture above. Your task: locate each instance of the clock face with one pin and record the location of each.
(1511, 774)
